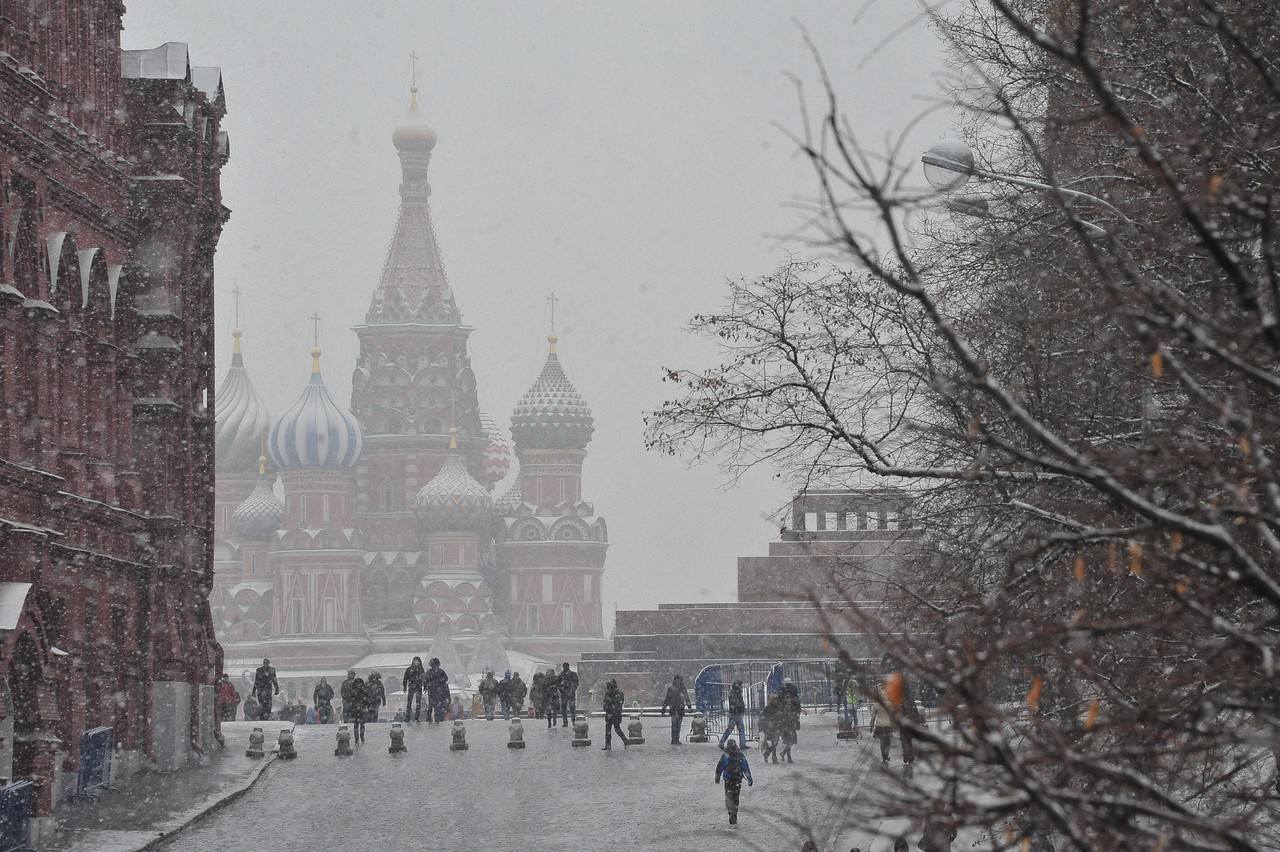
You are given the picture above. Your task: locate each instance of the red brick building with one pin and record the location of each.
(110, 212)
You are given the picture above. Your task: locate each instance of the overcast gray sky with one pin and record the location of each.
(622, 154)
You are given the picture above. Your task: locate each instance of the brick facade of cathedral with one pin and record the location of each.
(110, 211)
(389, 541)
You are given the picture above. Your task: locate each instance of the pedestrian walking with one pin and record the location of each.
(228, 698)
(323, 698)
(504, 696)
(551, 697)
(488, 694)
(737, 709)
(568, 683)
(914, 719)
(376, 693)
(733, 768)
(882, 726)
(352, 700)
(677, 701)
(613, 703)
(359, 713)
(437, 686)
(518, 692)
(264, 681)
(537, 695)
(771, 724)
(414, 680)
(250, 708)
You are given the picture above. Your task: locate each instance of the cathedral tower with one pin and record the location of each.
(553, 545)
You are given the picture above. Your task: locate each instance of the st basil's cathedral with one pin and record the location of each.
(390, 541)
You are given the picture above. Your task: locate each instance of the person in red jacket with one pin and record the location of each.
(228, 698)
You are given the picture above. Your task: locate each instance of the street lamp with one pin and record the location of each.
(949, 163)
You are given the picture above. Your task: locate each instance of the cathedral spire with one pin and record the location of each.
(552, 338)
(414, 287)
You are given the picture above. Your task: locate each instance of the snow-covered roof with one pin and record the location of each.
(208, 79)
(166, 62)
(12, 598)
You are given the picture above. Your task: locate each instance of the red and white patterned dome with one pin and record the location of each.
(497, 453)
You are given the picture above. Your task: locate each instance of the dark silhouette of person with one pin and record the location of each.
(415, 680)
(613, 701)
(568, 694)
(437, 683)
(322, 697)
(677, 701)
(264, 682)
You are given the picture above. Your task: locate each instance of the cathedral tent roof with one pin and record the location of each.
(490, 655)
(552, 415)
(442, 648)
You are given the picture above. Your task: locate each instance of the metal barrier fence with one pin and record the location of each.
(17, 804)
(818, 682)
(95, 763)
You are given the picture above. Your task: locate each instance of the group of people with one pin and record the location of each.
(507, 693)
(555, 695)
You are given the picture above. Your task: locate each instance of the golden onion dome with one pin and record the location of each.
(414, 134)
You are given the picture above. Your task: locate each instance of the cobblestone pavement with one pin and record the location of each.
(548, 796)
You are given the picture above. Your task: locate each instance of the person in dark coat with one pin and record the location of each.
(376, 697)
(504, 695)
(613, 701)
(250, 708)
(264, 681)
(568, 694)
(415, 680)
(351, 699)
(551, 697)
(771, 724)
(359, 712)
(437, 683)
(488, 694)
(537, 695)
(518, 692)
(677, 701)
(733, 768)
(322, 697)
(737, 709)
(789, 699)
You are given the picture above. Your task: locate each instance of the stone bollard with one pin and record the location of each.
(698, 728)
(517, 734)
(344, 743)
(459, 737)
(581, 732)
(397, 739)
(635, 731)
(256, 740)
(287, 750)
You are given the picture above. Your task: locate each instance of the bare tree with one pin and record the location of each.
(1083, 385)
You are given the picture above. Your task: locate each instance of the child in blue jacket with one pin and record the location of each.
(733, 768)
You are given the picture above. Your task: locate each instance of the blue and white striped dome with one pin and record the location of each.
(316, 432)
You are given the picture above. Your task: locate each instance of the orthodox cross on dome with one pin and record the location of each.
(453, 421)
(315, 343)
(413, 59)
(235, 330)
(551, 338)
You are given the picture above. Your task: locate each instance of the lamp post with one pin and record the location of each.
(949, 163)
